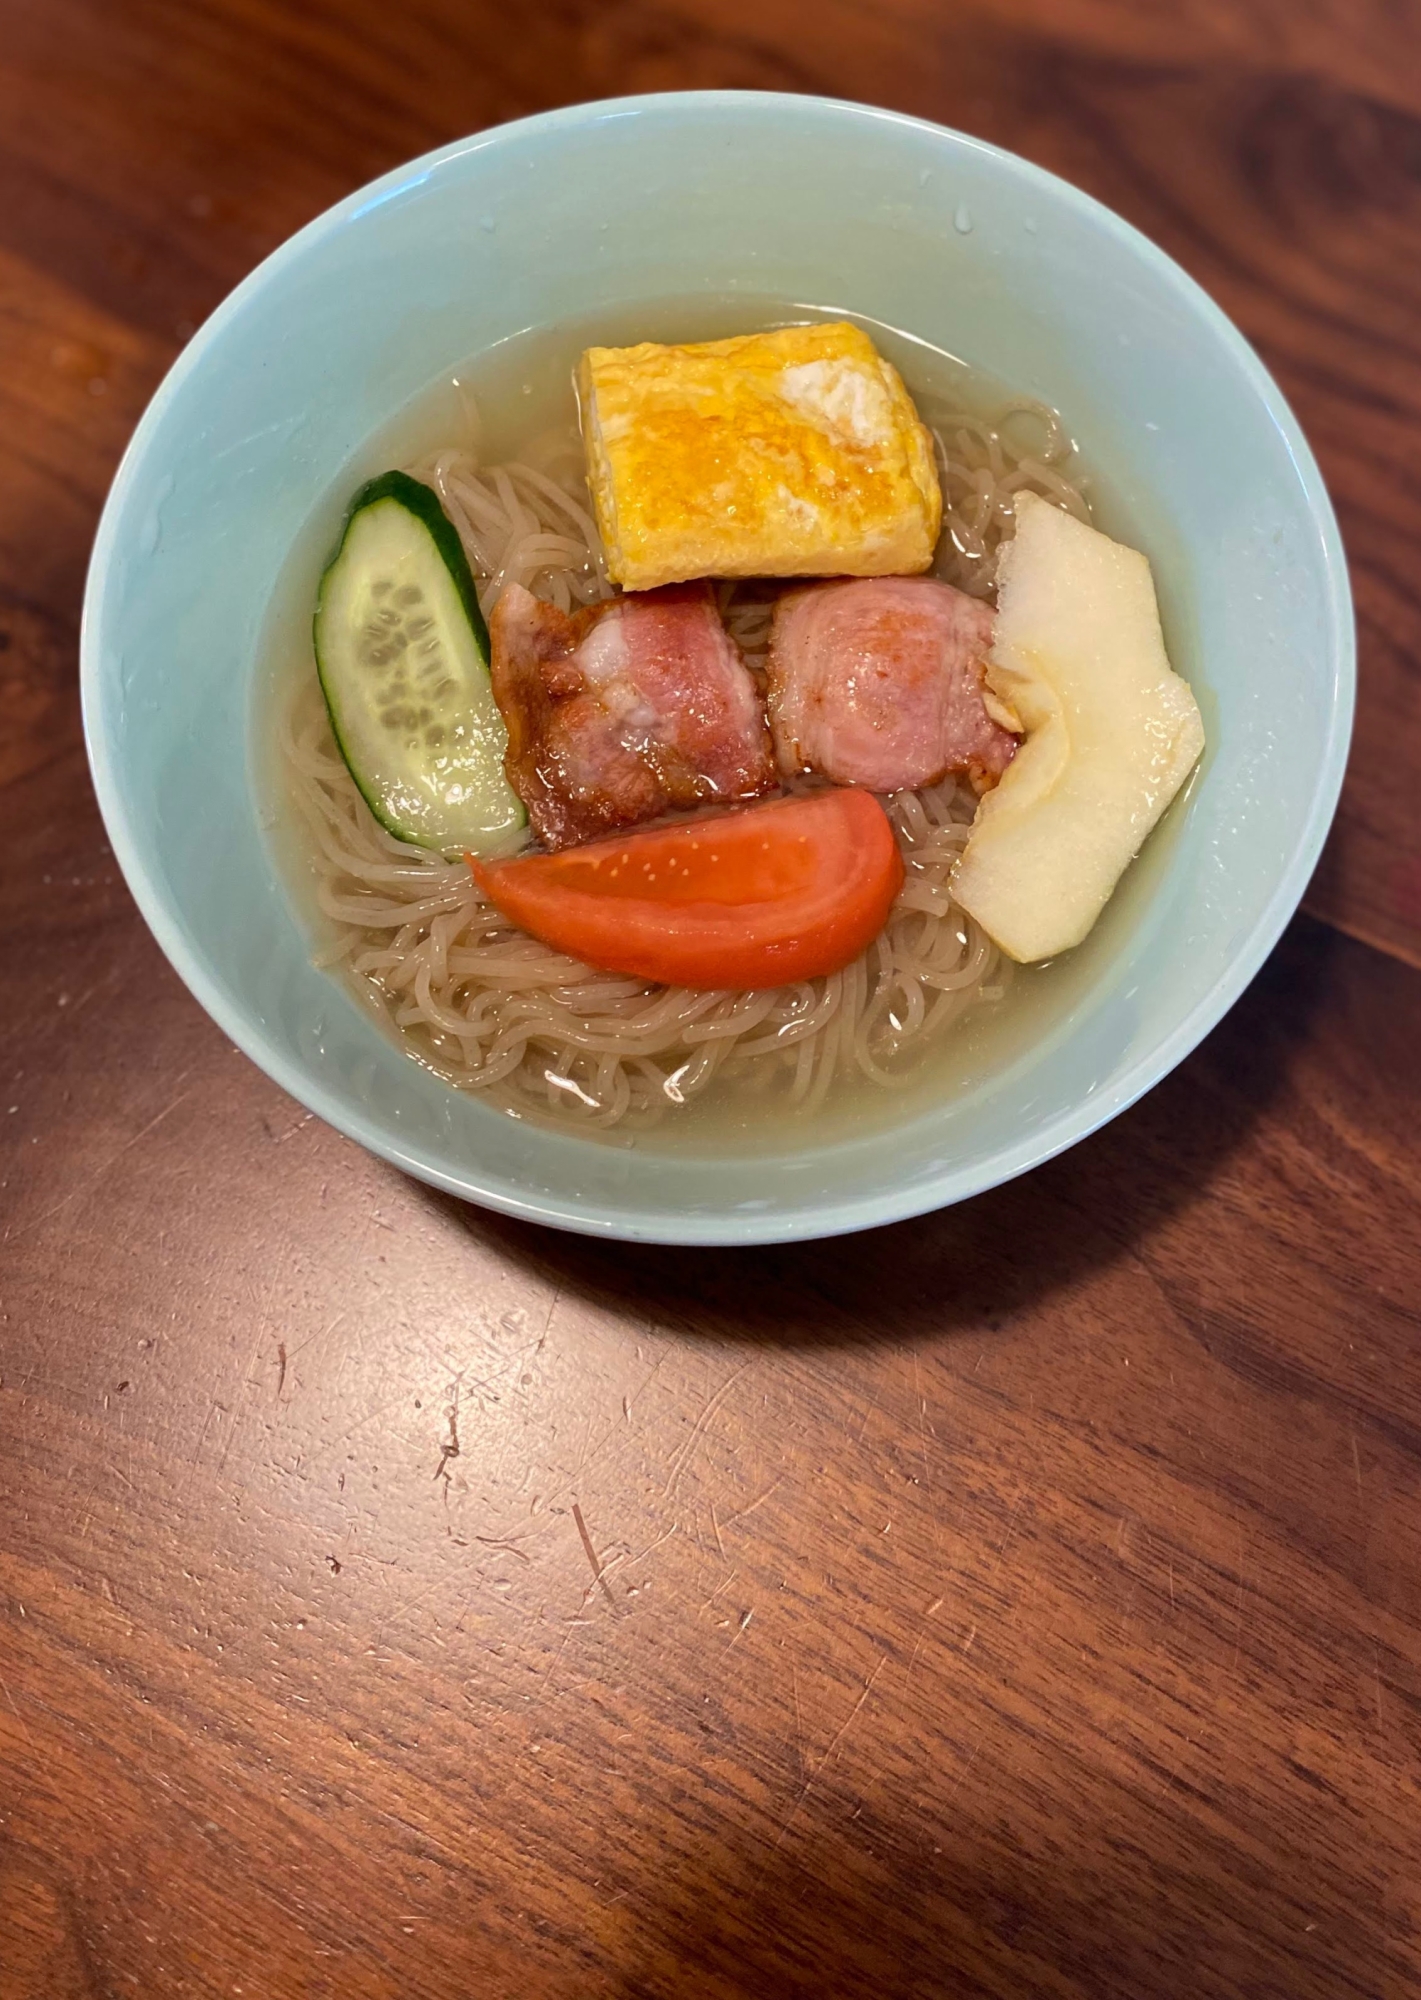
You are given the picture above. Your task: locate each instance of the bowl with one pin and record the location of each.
(836, 205)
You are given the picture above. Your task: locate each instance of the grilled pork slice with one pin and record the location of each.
(879, 682)
(624, 710)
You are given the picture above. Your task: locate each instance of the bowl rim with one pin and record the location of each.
(728, 1227)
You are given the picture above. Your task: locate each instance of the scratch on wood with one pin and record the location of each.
(353, 1431)
(724, 1584)
(630, 1403)
(612, 1432)
(681, 1463)
(592, 1556)
(650, 1548)
(768, 1494)
(24, 1726)
(143, 1132)
(450, 1447)
(213, 1407)
(231, 1435)
(744, 1622)
(109, 979)
(931, 1611)
(873, 1405)
(281, 1367)
(547, 1687)
(1010, 1529)
(923, 1446)
(962, 1774)
(716, 1526)
(577, 1470)
(408, 1604)
(93, 1180)
(839, 1734)
(301, 1347)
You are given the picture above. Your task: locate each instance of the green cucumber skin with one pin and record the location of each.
(425, 505)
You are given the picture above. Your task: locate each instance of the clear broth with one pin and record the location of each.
(494, 404)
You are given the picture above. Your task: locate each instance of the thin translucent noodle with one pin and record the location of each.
(495, 1011)
(983, 463)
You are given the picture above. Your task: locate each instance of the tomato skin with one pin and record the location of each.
(745, 900)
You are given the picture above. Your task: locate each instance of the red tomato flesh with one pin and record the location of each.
(747, 899)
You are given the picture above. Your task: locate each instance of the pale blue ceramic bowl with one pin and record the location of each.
(833, 204)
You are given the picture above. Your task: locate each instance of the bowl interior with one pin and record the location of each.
(707, 194)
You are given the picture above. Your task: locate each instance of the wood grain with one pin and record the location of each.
(395, 1601)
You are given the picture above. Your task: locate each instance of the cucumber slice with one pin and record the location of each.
(402, 652)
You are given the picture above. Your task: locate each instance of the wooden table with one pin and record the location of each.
(1021, 1602)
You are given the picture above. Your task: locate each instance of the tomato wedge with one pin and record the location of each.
(749, 899)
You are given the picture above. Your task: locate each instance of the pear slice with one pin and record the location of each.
(1111, 734)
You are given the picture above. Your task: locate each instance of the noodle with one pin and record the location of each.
(491, 1009)
(982, 462)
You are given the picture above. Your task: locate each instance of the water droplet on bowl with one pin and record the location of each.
(962, 221)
